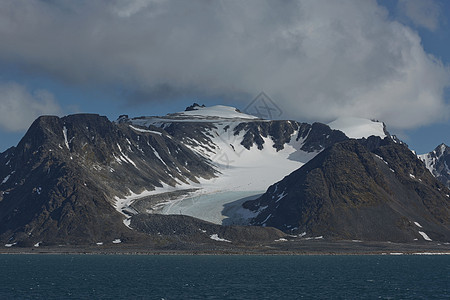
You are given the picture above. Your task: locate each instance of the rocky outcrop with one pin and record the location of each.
(364, 190)
(60, 182)
(438, 162)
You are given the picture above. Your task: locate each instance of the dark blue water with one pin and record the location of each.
(224, 277)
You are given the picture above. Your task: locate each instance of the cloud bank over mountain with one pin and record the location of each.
(19, 107)
(318, 60)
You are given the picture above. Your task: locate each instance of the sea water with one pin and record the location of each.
(223, 277)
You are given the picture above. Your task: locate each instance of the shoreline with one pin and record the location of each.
(314, 247)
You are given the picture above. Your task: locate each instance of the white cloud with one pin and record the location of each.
(318, 60)
(19, 108)
(424, 13)
(127, 8)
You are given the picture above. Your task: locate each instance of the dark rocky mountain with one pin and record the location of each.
(438, 162)
(59, 184)
(315, 136)
(65, 181)
(369, 189)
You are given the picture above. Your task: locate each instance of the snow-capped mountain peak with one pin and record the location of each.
(438, 162)
(215, 112)
(359, 127)
(193, 114)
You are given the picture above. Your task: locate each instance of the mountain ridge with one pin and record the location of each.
(82, 179)
(358, 189)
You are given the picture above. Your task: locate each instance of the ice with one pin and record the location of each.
(281, 240)
(214, 207)
(218, 111)
(145, 130)
(158, 156)
(123, 204)
(39, 190)
(123, 157)
(202, 114)
(314, 238)
(99, 243)
(425, 236)
(283, 194)
(358, 127)
(6, 179)
(127, 222)
(65, 137)
(242, 173)
(265, 220)
(9, 245)
(37, 244)
(216, 237)
(117, 241)
(380, 158)
(412, 176)
(417, 224)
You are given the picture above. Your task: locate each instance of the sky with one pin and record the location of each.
(387, 60)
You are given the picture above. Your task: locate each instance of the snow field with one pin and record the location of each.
(243, 173)
(357, 128)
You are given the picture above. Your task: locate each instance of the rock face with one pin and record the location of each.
(71, 181)
(59, 183)
(438, 162)
(62, 182)
(369, 189)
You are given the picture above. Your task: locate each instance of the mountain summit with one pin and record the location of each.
(359, 190)
(438, 162)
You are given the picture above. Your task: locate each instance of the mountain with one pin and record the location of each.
(59, 183)
(438, 162)
(84, 180)
(81, 179)
(369, 189)
(242, 148)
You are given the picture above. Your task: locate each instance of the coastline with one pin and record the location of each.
(314, 247)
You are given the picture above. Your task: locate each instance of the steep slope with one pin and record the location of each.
(368, 189)
(438, 162)
(79, 179)
(242, 148)
(83, 179)
(59, 183)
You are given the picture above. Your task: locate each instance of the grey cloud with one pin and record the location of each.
(424, 13)
(19, 107)
(318, 60)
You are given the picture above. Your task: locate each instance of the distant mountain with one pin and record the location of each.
(438, 162)
(369, 189)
